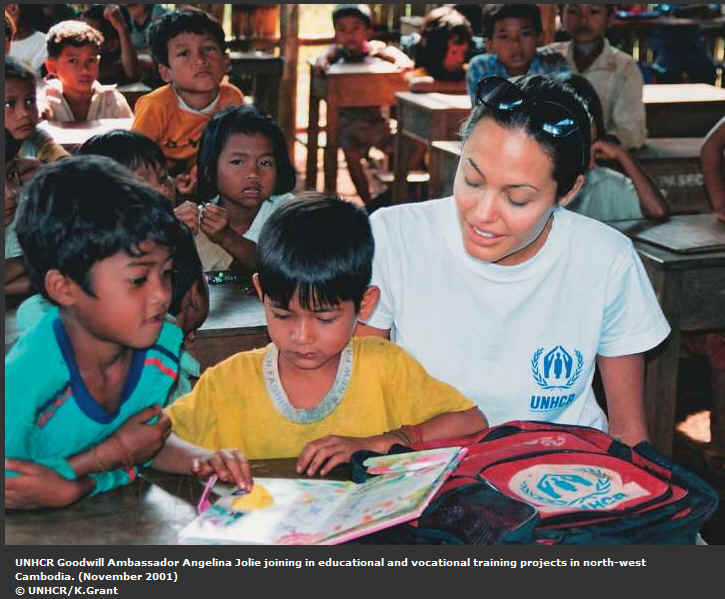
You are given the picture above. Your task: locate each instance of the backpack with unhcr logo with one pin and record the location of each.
(537, 482)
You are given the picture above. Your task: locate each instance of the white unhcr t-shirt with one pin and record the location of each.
(521, 341)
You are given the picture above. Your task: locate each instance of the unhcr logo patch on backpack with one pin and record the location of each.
(556, 488)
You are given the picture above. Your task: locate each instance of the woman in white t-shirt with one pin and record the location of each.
(500, 292)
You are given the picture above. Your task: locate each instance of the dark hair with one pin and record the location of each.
(83, 209)
(187, 269)
(361, 11)
(498, 12)
(586, 92)
(321, 247)
(14, 69)
(240, 119)
(72, 33)
(440, 25)
(184, 20)
(570, 155)
(129, 148)
(95, 14)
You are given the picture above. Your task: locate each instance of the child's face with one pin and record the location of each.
(158, 177)
(306, 339)
(351, 33)
(196, 63)
(132, 296)
(514, 42)
(76, 67)
(21, 110)
(247, 170)
(455, 55)
(586, 23)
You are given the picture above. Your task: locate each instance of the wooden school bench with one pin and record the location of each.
(673, 164)
(74, 134)
(685, 261)
(682, 109)
(426, 118)
(369, 83)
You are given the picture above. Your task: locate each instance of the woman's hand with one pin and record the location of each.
(230, 465)
(333, 450)
(188, 213)
(214, 223)
(140, 439)
(37, 486)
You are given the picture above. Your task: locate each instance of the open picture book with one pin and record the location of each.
(294, 511)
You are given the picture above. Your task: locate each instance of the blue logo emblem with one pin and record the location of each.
(557, 369)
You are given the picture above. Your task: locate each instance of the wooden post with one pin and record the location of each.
(289, 50)
(548, 22)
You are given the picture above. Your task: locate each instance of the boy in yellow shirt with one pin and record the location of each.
(188, 46)
(315, 392)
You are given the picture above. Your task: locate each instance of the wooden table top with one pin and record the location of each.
(150, 511)
(678, 93)
(230, 309)
(73, 134)
(436, 101)
(368, 66)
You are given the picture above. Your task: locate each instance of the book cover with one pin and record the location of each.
(298, 511)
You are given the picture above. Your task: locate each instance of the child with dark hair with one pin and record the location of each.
(74, 49)
(360, 128)
(608, 194)
(316, 391)
(613, 73)
(86, 420)
(512, 32)
(27, 141)
(136, 152)
(189, 48)
(119, 62)
(28, 43)
(244, 173)
(139, 18)
(440, 54)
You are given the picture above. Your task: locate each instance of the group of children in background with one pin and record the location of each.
(204, 182)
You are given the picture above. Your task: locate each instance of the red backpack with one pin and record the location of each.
(526, 481)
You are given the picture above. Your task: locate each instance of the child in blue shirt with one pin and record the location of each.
(85, 386)
(512, 32)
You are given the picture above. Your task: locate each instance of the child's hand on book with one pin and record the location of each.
(230, 466)
(325, 453)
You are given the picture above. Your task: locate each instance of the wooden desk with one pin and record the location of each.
(150, 511)
(236, 322)
(673, 164)
(74, 134)
(133, 91)
(259, 74)
(691, 291)
(427, 118)
(682, 109)
(370, 83)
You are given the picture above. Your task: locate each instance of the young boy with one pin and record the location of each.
(188, 46)
(613, 73)
(21, 117)
(512, 32)
(119, 62)
(316, 391)
(607, 194)
(109, 360)
(75, 95)
(365, 127)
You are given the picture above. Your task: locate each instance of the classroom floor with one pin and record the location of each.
(692, 437)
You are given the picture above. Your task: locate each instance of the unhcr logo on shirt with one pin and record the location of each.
(556, 370)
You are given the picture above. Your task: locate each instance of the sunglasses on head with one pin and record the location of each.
(552, 118)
